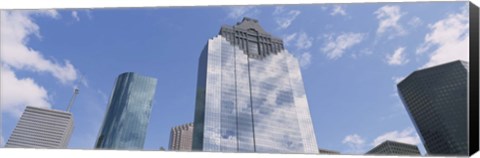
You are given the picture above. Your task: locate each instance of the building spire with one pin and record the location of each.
(75, 93)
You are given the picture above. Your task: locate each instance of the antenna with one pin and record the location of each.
(75, 93)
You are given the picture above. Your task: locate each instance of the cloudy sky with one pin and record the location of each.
(352, 55)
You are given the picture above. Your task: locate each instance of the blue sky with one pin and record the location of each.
(352, 55)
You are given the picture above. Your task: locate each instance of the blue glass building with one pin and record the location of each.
(128, 113)
(250, 95)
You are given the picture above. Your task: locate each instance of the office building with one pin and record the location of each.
(389, 147)
(250, 95)
(328, 152)
(436, 99)
(128, 113)
(42, 128)
(181, 138)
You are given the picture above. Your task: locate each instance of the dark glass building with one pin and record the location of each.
(128, 113)
(394, 148)
(436, 99)
(250, 95)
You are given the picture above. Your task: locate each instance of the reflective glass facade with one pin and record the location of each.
(128, 113)
(251, 99)
(437, 99)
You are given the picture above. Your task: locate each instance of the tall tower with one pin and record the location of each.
(181, 138)
(42, 128)
(250, 95)
(436, 99)
(128, 113)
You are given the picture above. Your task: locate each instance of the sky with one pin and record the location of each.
(351, 57)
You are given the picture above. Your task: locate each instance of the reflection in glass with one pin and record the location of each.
(251, 98)
(128, 113)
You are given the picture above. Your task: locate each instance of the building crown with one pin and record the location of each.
(250, 37)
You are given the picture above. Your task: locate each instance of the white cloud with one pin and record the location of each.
(81, 81)
(303, 41)
(408, 136)
(397, 57)
(22, 20)
(338, 10)
(242, 11)
(103, 95)
(355, 142)
(353, 139)
(89, 14)
(285, 18)
(398, 79)
(449, 39)
(288, 38)
(75, 15)
(19, 92)
(366, 51)
(305, 59)
(388, 17)
(415, 22)
(354, 56)
(335, 47)
(16, 29)
(323, 8)
(84, 82)
(278, 10)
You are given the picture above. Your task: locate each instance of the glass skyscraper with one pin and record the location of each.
(250, 95)
(436, 99)
(128, 113)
